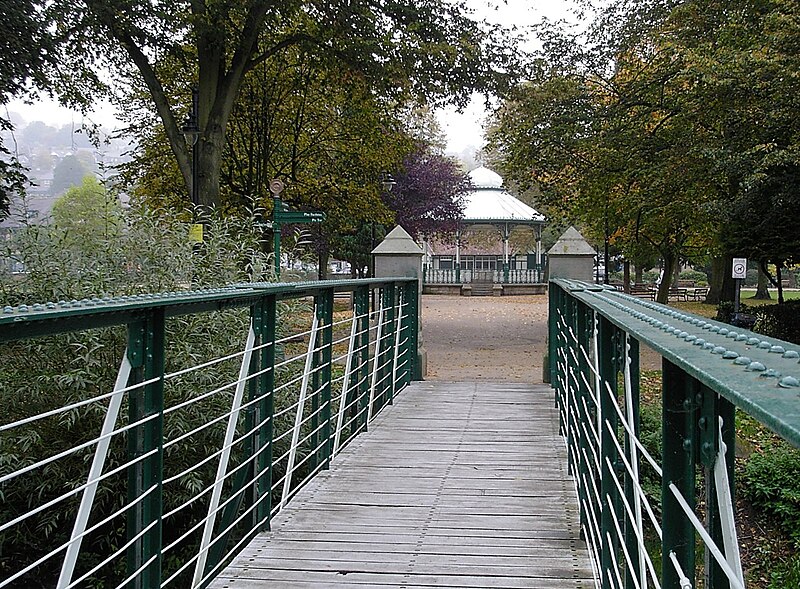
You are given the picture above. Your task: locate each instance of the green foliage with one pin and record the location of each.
(69, 172)
(700, 278)
(779, 321)
(147, 253)
(770, 482)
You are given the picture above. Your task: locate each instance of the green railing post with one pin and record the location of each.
(409, 352)
(631, 541)
(146, 354)
(713, 408)
(266, 409)
(386, 349)
(325, 357)
(608, 378)
(679, 422)
(412, 299)
(573, 378)
(361, 301)
(553, 293)
(583, 398)
(320, 385)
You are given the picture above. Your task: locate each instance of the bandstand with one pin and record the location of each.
(487, 206)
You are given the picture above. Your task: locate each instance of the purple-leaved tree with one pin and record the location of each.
(429, 194)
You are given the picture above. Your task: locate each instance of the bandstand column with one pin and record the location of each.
(458, 254)
(505, 253)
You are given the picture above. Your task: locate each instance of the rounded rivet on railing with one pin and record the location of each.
(715, 329)
(683, 335)
(8, 310)
(741, 338)
(38, 307)
(753, 341)
(764, 345)
(698, 322)
(723, 331)
(756, 367)
(658, 323)
(730, 355)
(22, 309)
(719, 350)
(707, 326)
(742, 361)
(700, 342)
(708, 346)
(691, 338)
(791, 354)
(788, 382)
(777, 350)
(731, 335)
(51, 305)
(772, 373)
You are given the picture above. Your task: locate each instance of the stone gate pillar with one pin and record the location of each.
(571, 257)
(398, 255)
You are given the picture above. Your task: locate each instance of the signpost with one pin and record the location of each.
(739, 274)
(281, 216)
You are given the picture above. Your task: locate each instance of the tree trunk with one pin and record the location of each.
(638, 274)
(670, 262)
(779, 279)
(626, 276)
(722, 287)
(762, 290)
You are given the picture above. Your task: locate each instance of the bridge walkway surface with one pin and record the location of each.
(458, 484)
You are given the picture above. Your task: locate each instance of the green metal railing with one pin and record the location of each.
(158, 479)
(709, 369)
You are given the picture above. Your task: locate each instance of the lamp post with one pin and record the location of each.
(387, 183)
(191, 132)
(276, 187)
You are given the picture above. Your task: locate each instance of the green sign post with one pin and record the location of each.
(281, 216)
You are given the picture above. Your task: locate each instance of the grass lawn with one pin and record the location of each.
(748, 293)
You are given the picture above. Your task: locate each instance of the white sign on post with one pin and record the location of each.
(739, 268)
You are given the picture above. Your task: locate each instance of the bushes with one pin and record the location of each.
(147, 253)
(780, 321)
(770, 482)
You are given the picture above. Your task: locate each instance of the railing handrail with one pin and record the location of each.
(761, 387)
(30, 320)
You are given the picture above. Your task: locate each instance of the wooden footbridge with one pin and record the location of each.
(311, 454)
(457, 485)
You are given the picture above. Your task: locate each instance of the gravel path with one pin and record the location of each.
(485, 338)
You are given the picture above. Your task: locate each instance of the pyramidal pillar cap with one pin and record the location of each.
(571, 257)
(398, 243)
(572, 243)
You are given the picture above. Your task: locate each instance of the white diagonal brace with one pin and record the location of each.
(348, 369)
(298, 418)
(222, 466)
(375, 354)
(95, 471)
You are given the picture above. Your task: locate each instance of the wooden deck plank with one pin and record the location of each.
(459, 485)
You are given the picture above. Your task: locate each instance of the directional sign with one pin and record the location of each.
(300, 217)
(739, 268)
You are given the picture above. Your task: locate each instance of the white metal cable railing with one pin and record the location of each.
(155, 476)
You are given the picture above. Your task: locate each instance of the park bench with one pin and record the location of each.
(643, 291)
(700, 294)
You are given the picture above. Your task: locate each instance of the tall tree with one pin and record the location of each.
(428, 48)
(429, 193)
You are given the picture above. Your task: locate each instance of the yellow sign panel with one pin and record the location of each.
(196, 233)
